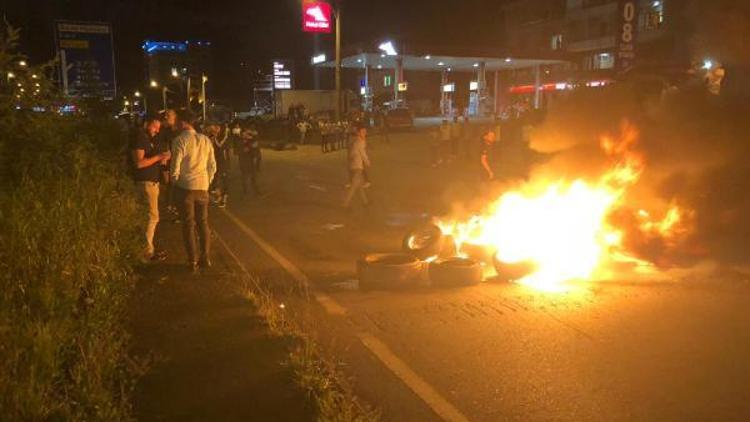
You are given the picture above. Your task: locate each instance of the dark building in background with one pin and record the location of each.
(587, 34)
(172, 64)
(534, 28)
(592, 30)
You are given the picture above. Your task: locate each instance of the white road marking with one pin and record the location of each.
(330, 305)
(442, 407)
(419, 386)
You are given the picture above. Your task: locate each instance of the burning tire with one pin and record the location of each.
(514, 271)
(455, 272)
(423, 242)
(388, 270)
(479, 253)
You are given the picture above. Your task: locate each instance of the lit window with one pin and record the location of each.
(604, 61)
(387, 80)
(557, 42)
(653, 16)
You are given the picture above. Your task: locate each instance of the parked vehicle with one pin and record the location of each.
(400, 118)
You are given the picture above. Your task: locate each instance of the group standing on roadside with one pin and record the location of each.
(187, 170)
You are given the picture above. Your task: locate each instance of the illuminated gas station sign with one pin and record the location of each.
(316, 17)
(282, 75)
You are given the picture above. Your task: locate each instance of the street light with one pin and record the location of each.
(176, 74)
(22, 63)
(154, 84)
(138, 94)
(204, 79)
(388, 48)
(11, 75)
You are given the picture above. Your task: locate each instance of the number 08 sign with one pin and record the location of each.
(627, 34)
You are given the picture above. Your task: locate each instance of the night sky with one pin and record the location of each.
(254, 31)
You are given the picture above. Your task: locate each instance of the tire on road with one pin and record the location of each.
(423, 242)
(512, 271)
(481, 253)
(388, 271)
(455, 272)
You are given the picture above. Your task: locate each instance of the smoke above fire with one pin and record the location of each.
(621, 185)
(695, 159)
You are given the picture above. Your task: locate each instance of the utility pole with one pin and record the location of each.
(338, 60)
(187, 75)
(164, 96)
(204, 79)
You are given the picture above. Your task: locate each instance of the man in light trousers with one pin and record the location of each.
(359, 162)
(146, 160)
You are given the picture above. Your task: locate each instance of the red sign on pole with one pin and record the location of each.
(316, 17)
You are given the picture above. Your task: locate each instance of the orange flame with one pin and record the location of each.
(562, 226)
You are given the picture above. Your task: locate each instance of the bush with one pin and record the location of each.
(67, 225)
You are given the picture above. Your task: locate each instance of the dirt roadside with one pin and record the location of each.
(211, 354)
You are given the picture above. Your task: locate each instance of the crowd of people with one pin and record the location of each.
(184, 166)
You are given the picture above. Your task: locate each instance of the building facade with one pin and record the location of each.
(172, 66)
(585, 32)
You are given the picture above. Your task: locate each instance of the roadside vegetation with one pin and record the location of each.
(319, 375)
(67, 236)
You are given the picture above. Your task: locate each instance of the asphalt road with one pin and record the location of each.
(614, 351)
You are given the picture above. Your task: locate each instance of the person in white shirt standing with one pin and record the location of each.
(359, 162)
(193, 168)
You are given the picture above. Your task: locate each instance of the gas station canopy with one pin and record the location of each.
(428, 63)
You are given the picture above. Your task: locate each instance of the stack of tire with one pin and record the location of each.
(425, 247)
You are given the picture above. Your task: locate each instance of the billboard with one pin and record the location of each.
(316, 17)
(86, 52)
(626, 34)
(282, 74)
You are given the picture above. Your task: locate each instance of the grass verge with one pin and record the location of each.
(320, 376)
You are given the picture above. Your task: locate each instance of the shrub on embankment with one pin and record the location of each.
(67, 236)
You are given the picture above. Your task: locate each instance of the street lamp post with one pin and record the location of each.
(176, 74)
(154, 84)
(338, 60)
(137, 94)
(187, 89)
(204, 79)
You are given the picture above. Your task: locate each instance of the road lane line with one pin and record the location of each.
(419, 386)
(434, 400)
(330, 305)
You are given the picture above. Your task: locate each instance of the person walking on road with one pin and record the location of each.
(303, 126)
(147, 161)
(486, 156)
(193, 169)
(250, 157)
(359, 162)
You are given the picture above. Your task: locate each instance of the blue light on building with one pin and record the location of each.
(164, 46)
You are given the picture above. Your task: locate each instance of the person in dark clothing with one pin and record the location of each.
(486, 156)
(250, 157)
(166, 135)
(220, 139)
(147, 159)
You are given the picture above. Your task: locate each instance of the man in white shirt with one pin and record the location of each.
(193, 168)
(359, 162)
